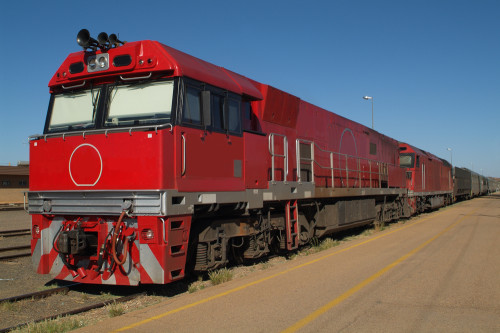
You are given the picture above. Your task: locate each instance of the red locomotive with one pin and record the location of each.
(428, 179)
(154, 163)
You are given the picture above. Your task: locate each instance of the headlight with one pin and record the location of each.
(98, 63)
(92, 64)
(103, 62)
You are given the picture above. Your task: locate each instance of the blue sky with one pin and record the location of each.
(433, 66)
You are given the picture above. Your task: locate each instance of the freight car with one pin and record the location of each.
(475, 184)
(483, 185)
(153, 163)
(469, 184)
(462, 183)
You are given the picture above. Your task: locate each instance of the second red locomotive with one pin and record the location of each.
(428, 179)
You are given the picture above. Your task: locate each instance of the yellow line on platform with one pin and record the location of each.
(308, 319)
(231, 291)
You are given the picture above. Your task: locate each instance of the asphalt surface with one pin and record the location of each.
(436, 273)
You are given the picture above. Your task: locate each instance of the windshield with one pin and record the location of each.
(406, 160)
(73, 111)
(140, 104)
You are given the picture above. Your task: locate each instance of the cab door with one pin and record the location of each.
(209, 142)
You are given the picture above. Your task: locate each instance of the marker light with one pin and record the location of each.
(36, 231)
(147, 234)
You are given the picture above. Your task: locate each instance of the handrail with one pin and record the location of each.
(273, 154)
(164, 230)
(382, 169)
(24, 201)
(75, 86)
(312, 159)
(183, 169)
(101, 130)
(136, 77)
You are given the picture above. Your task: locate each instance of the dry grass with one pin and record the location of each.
(220, 276)
(115, 310)
(379, 226)
(9, 306)
(197, 285)
(58, 325)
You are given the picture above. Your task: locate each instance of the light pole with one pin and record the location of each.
(367, 98)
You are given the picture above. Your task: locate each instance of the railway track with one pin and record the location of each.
(15, 250)
(15, 233)
(60, 290)
(38, 294)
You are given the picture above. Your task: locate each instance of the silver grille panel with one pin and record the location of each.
(96, 202)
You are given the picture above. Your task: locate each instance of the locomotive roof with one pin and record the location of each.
(153, 57)
(422, 152)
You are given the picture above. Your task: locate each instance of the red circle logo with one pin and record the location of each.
(85, 165)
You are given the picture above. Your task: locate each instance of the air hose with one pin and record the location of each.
(115, 239)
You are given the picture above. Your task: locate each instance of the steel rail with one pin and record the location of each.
(14, 256)
(39, 294)
(14, 248)
(13, 233)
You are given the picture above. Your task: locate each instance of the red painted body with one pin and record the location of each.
(116, 161)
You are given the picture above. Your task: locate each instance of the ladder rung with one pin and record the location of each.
(292, 225)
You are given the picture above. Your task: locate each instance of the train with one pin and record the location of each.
(154, 164)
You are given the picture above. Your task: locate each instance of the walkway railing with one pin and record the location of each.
(274, 154)
(348, 170)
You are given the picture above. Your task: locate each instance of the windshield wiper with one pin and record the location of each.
(94, 100)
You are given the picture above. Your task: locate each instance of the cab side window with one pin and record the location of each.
(217, 109)
(212, 108)
(234, 116)
(246, 109)
(225, 112)
(191, 113)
